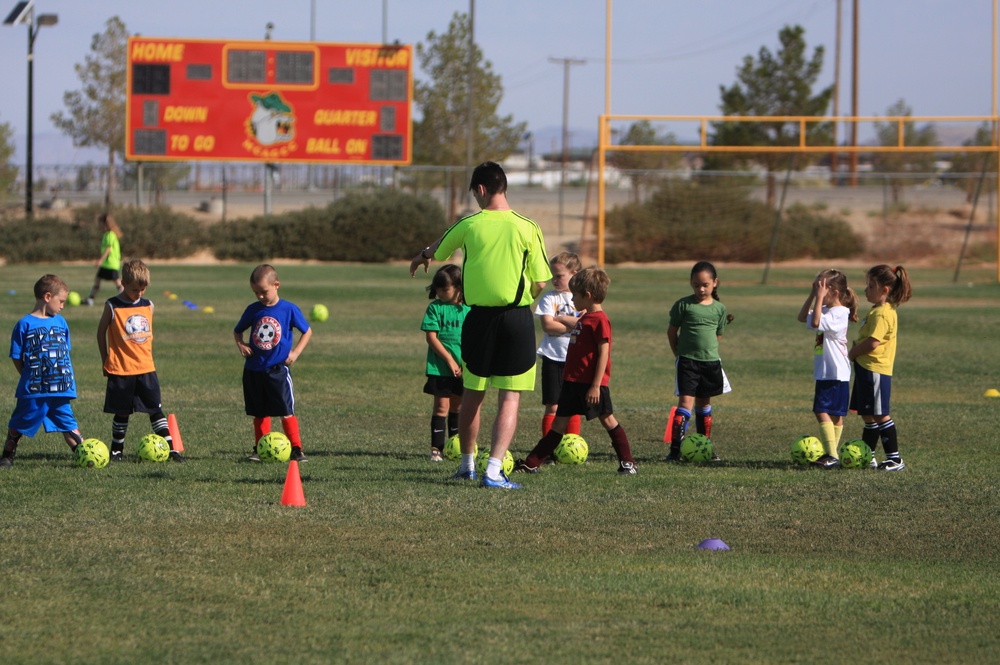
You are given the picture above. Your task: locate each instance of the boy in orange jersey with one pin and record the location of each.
(125, 338)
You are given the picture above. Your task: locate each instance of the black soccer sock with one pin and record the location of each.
(119, 427)
(887, 431)
(438, 432)
(870, 435)
(10, 446)
(158, 422)
(452, 423)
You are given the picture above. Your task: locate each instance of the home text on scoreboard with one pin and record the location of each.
(268, 101)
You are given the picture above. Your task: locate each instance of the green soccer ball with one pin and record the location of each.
(696, 448)
(73, 300)
(274, 447)
(484, 457)
(453, 449)
(806, 449)
(572, 449)
(154, 448)
(92, 454)
(319, 313)
(855, 454)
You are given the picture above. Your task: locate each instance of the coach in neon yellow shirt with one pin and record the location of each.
(504, 269)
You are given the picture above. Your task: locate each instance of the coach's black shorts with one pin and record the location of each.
(573, 401)
(498, 341)
(268, 393)
(443, 386)
(139, 393)
(699, 378)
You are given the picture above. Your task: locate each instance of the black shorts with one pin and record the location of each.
(552, 380)
(268, 393)
(700, 378)
(107, 273)
(498, 341)
(443, 386)
(138, 393)
(573, 401)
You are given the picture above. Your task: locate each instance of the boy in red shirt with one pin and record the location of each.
(588, 371)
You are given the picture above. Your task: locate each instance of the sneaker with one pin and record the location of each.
(520, 466)
(674, 456)
(502, 483)
(892, 465)
(253, 457)
(873, 464)
(90, 302)
(117, 456)
(6, 461)
(465, 475)
(436, 455)
(176, 457)
(298, 455)
(827, 462)
(715, 458)
(627, 469)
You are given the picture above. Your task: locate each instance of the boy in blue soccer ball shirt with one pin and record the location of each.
(267, 378)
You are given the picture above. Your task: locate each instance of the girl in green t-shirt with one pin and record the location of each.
(110, 264)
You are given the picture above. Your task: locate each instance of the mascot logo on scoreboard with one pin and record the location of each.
(272, 120)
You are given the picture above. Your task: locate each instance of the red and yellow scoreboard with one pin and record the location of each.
(268, 101)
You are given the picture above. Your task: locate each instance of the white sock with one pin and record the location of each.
(468, 463)
(493, 466)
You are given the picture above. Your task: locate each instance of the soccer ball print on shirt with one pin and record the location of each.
(266, 333)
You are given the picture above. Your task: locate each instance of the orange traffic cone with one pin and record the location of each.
(668, 433)
(292, 494)
(175, 433)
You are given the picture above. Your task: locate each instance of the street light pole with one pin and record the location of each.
(24, 12)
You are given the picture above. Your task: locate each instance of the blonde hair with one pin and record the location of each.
(569, 260)
(109, 223)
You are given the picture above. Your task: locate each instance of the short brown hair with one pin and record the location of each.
(262, 272)
(49, 284)
(591, 280)
(134, 271)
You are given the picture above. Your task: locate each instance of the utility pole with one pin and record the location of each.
(469, 125)
(854, 101)
(836, 97)
(566, 63)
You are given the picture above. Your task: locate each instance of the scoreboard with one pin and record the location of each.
(268, 101)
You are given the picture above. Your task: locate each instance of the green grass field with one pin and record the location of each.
(392, 561)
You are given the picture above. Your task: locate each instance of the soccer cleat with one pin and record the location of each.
(298, 455)
(436, 455)
(520, 466)
(6, 461)
(827, 462)
(253, 457)
(715, 458)
(627, 469)
(90, 302)
(176, 457)
(502, 483)
(674, 456)
(892, 465)
(873, 464)
(465, 475)
(117, 456)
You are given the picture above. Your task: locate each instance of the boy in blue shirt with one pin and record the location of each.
(39, 348)
(267, 378)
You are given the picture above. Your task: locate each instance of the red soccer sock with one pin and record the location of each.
(547, 419)
(573, 426)
(543, 449)
(291, 426)
(261, 426)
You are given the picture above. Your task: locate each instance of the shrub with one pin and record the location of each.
(359, 227)
(690, 220)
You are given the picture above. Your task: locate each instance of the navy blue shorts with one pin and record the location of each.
(871, 393)
(832, 397)
(130, 394)
(268, 393)
(573, 401)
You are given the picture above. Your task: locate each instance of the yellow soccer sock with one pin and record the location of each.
(838, 430)
(827, 434)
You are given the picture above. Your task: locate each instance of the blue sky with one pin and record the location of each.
(669, 57)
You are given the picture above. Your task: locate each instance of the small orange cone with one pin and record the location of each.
(292, 494)
(668, 433)
(175, 433)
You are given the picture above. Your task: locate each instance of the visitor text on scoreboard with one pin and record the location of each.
(268, 101)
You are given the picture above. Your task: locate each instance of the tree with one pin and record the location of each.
(976, 163)
(440, 136)
(8, 172)
(896, 162)
(642, 167)
(96, 113)
(778, 84)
